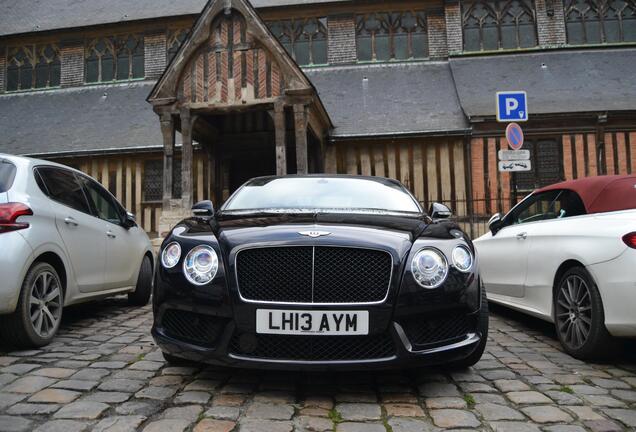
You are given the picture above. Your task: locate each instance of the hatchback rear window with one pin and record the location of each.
(7, 174)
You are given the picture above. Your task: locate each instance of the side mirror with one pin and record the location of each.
(203, 209)
(439, 211)
(129, 220)
(494, 223)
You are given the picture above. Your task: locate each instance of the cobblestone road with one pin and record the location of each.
(104, 373)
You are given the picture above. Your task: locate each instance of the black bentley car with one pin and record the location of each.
(317, 272)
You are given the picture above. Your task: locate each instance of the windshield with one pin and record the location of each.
(7, 174)
(322, 193)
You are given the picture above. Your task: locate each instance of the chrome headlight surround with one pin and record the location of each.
(201, 265)
(462, 259)
(171, 255)
(429, 267)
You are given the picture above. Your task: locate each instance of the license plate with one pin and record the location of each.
(323, 323)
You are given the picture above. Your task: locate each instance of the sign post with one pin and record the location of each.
(512, 106)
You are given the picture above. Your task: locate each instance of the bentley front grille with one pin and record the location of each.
(313, 274)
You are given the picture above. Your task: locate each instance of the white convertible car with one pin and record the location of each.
(567, 254)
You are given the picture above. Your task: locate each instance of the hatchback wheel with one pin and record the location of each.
(580, 318)
(142, 292)
(39, 311)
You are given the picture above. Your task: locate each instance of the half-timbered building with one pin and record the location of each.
(167, 103)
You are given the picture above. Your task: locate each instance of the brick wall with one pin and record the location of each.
(437, 45)
(3, 68)
(154, 55)
(72, 63)
(342, 39)
(453, 26)
(550, 29)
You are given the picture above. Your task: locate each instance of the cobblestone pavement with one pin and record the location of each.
(104, 373)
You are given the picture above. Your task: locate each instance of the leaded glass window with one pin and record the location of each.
(600, 21)
(498, 24)
(174, 41)
(304, 39)
(115, 59)
(384, 36)
(153, 179)
(33, 67)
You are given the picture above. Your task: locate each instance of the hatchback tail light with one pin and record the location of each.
(9, 213)
(630, 239)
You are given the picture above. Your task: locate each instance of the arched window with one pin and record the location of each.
(114, 59)
(498, 24)
(174, 40)
(600, 21)
(384, 36)
(304, 39)
(33, 67)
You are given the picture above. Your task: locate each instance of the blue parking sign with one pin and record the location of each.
(512, 106)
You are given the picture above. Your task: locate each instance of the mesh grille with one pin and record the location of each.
(275, 274)
(318, 348)
(433, 331)
(191, 327)
(340, 275)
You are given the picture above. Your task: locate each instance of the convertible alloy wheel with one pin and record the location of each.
(574, 311)
(580, 317)
(45, 304)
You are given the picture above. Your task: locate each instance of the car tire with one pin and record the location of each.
(475, 356)
(580, 317)
(38, 314)
(141, 295)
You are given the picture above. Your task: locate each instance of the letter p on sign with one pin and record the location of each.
(512, 106)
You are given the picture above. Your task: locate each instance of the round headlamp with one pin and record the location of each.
(171, 255)
(462, 259)
(429, 268)
(200, 265)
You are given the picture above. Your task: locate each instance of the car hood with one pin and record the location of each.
(392, 233)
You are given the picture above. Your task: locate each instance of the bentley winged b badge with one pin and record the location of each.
(314, 234)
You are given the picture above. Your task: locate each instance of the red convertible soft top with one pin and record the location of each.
(603, 193)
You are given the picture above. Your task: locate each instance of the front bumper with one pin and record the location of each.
(399, 351)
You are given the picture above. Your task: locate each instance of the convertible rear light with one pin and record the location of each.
(9, 213)
(630, 239)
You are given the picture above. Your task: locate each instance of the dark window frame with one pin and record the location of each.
(375, 27)
(33, 67)
(606, 18)
(311, 32)
(484, 16)
(174, 39)
(155, 194)
(114, 59)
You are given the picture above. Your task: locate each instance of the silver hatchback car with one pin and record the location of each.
(64, 239)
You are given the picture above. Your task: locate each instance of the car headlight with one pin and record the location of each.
(171, 255)
(200, 265)
(429, 268)
(462, 259)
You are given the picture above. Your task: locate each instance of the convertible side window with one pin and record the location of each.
(538, 207)
(548, 205)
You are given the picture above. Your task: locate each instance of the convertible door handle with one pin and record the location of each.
(110, 234)
(70, 221)
(522, 236)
